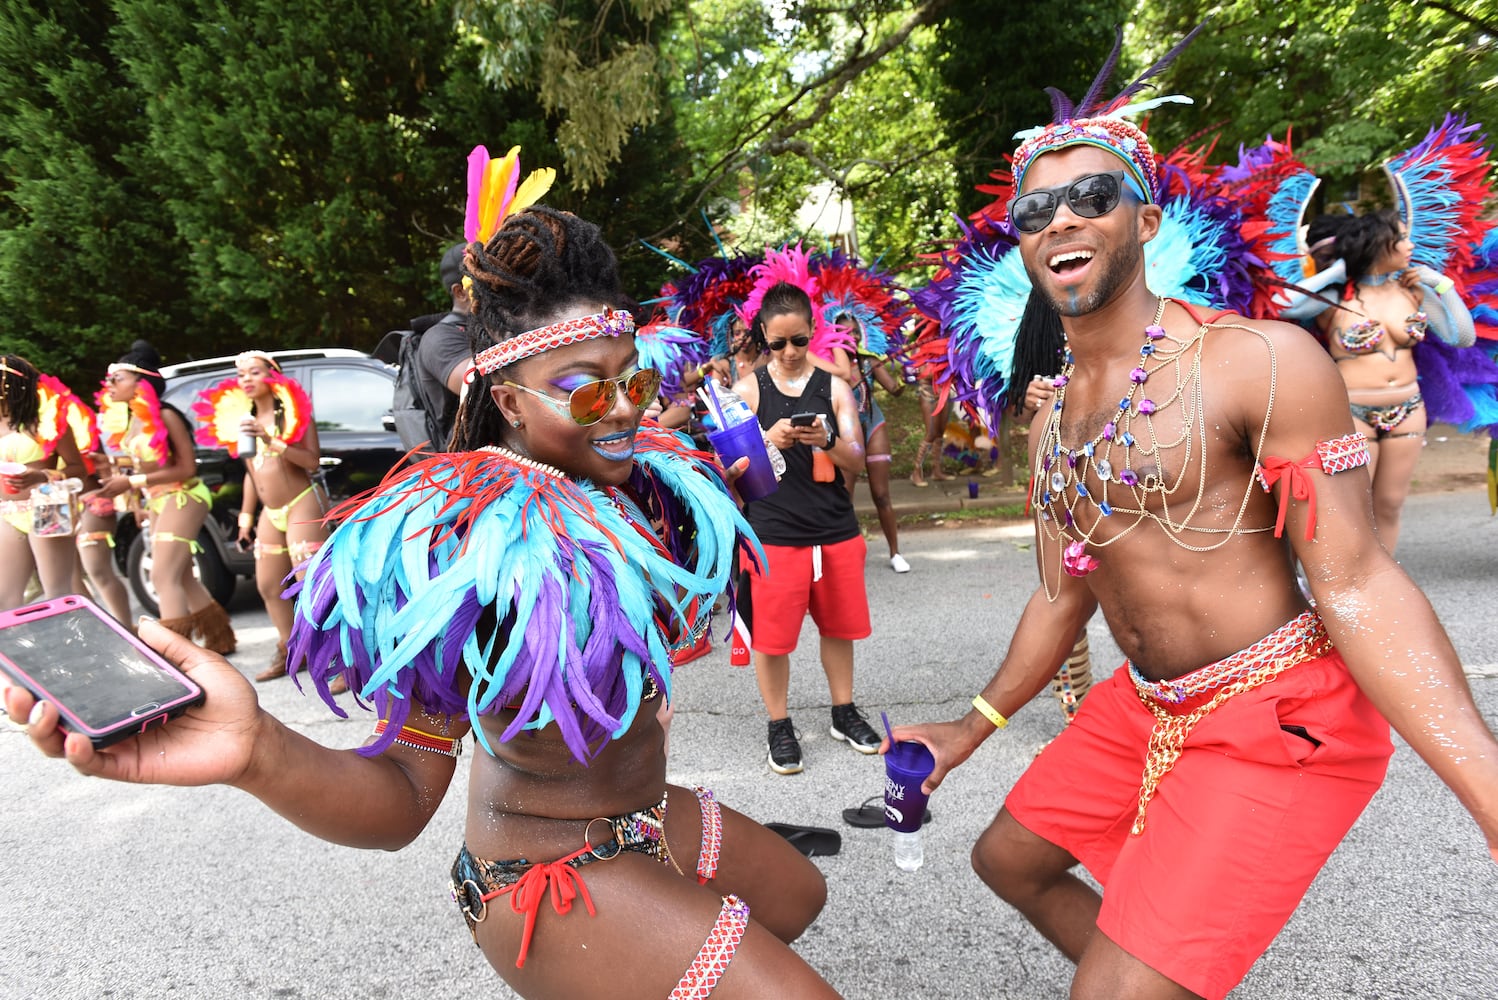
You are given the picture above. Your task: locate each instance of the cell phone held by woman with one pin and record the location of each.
(106, 683)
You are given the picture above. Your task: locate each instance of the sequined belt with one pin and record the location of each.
(1179, 703)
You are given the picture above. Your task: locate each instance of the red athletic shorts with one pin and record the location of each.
(826, 580)
(1237, 829)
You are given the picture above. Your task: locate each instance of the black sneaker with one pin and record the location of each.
(785, 751)
(848, 725)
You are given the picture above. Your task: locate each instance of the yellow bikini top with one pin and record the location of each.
(18, 446)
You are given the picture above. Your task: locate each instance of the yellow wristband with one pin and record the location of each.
(278, 446)
(138, 481)
(989, 712)
(246, 519)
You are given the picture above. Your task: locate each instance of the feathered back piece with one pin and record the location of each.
(220, 408)
(671, 350)
(555, 597)
(869, 296)
(495, 191)
(1095, 122)
(793, 265)
(1441, 188)
(53, 406)
(707, 300)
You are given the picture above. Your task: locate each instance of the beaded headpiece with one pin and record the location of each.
(1094, 122)
(245, 357)
(609, 323)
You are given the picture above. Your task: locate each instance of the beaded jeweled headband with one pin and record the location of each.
(1123, 139)
(609, 323)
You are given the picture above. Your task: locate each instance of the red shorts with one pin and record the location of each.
(1237, 829)
(826, 580)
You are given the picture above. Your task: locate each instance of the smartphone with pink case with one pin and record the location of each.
(106, 683)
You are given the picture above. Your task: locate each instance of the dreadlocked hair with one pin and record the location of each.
(1039, 345)
(143, 355)
(540, 265)
(18, 392)
(782, 299)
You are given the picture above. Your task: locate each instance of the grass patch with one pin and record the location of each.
(1003, 513)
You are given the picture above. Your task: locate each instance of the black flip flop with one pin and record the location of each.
(812, 841)
(871, 814)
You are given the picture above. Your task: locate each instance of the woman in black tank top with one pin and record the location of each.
(814, 548)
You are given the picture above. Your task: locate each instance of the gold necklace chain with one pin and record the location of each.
(1060, 493)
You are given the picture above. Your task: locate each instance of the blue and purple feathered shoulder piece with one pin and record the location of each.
(552, 597)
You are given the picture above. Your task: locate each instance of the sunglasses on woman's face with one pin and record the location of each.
(592, 401)
(1089, 197)
(800, 340)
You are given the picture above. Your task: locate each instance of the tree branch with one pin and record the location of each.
(1491, 27)
(777, 127)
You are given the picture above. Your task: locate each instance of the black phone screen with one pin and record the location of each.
(88, 667)
(803, 419)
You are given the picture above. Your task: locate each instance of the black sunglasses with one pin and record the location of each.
(800, 340)
(1089, 197)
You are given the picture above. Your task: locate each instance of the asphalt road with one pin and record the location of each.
(125, 892)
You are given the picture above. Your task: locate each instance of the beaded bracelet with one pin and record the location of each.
(989, 712)
(417, 739)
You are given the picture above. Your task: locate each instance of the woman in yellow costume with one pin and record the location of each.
(32, 453)
(175, 502)
(260, 402)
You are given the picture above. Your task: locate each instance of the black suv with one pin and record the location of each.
(350, 393)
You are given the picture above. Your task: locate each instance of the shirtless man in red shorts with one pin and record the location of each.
(1204, 785)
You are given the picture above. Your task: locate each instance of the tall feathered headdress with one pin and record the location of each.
(1105, 124)
(867, 295)
(793, 265)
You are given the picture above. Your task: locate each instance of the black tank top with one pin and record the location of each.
(802, 511)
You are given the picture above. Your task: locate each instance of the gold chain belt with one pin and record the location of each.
(1290, 645)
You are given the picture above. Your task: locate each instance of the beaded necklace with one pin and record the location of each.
(1072, 513)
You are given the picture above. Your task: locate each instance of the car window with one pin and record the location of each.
(350, 399)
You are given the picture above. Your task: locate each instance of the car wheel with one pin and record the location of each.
(207, 567)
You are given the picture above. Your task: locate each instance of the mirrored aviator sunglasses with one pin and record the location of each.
(1089, 197)
(592, 401)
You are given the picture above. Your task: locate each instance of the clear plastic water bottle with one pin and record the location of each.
(735, 410)
(909, 854)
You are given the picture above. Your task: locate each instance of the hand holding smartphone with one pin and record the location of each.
(804, 419)
(105, 683)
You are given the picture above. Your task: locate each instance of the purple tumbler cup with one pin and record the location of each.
(906, 765)
(741, 440)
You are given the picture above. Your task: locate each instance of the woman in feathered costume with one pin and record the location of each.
(528, 589)
(1391, 286)
(262, 404)
(164, 469)
(32, 443)
(99, 517)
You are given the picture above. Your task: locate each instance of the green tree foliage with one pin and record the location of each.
(310, 158)
(592, 63)
(86, 256)
(996, 56)
(776, 98)
(1358, 81)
